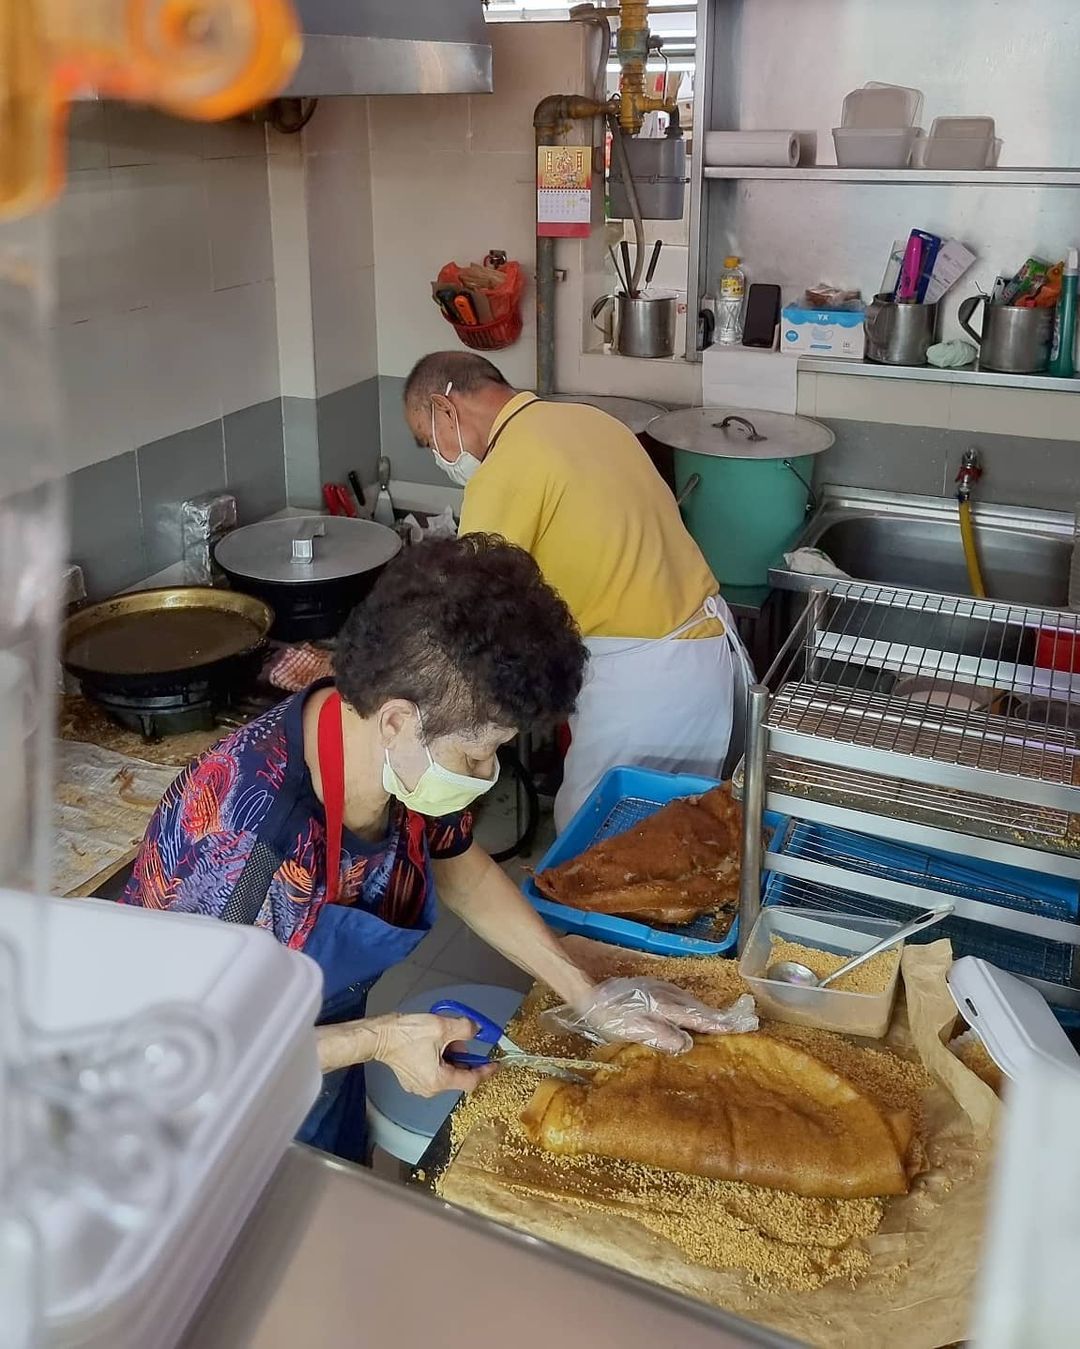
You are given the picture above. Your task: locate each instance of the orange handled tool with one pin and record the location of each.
(201, 59)
(464, 307)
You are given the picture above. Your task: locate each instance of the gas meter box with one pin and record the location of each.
(658, 167)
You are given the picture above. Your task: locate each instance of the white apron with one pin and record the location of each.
(676, 706)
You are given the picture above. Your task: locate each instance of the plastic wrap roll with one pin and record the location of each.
(752, 149)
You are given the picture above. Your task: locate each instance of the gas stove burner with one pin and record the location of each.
(193, 709)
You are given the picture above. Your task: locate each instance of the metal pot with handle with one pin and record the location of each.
(899, 334)
(311, 570)
(640, 325)
(1013, 341)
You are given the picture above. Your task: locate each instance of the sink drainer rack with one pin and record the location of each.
(834, 738)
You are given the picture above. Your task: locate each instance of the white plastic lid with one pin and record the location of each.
(966, 128)
(881, 107)
(1011, 1018)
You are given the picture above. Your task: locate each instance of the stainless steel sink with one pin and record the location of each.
(914, 542)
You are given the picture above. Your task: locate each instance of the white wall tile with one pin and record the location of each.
(87, 136)
(338, 191)
(292, 269)
(403, 123)
(96, 374)
(343, 318)
(339, 125)
(529, 63)
(175, 364)
(93, 249)
(243, 338)
(166, 207)
(237, 138)
(145, 136)
(238, 200)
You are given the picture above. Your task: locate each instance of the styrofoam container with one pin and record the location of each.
(864, 1014)
(881, 107)
(1012, 1019)
(874, 149)
(98, 966)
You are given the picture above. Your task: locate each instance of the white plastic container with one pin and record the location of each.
(859, 148)
(1012, 1019)
(105, 970)
(882, 107)
(865, 1014)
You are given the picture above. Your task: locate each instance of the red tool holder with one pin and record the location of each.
(504, 329)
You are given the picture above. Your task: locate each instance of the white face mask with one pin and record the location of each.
(466, 464)
(439, 791)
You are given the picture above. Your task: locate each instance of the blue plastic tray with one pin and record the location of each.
(962, 877)
(624, 797)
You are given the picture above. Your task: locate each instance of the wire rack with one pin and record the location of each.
(933, 721)
(951, 686)
(1012, 823)
(1031, 957)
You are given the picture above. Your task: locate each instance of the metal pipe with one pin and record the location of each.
(550, 115)
(619, 146)
(754, 767)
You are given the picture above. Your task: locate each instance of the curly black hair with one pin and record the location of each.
(469, 631)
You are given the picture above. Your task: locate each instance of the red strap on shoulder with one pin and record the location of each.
(332, 771)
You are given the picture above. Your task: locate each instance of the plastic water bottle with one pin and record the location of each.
(732, 293)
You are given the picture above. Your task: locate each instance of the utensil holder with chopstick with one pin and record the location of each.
(641, 325)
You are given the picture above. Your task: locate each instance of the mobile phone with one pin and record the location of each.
(762, 316)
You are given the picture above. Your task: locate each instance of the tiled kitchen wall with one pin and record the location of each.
(454, 176)
(215, 325)
(165, 332)
(321, 209)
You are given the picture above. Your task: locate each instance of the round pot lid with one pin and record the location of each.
(634, 413)
(741, 433)
(307, 548)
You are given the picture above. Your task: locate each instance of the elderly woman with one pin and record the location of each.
(333, 819)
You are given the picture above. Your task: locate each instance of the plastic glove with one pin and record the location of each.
(654, 1013)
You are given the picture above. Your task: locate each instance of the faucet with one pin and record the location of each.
(969, 474)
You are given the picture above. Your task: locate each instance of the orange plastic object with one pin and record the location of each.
(202, 59)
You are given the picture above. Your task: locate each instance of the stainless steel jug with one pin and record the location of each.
(899, 334)
(643, 325)
(1013, 341)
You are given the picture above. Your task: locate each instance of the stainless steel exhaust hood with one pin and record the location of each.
(392, 47)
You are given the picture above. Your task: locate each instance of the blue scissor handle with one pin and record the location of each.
(488, 1032)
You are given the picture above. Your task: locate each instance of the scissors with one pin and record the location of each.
(510, 1055)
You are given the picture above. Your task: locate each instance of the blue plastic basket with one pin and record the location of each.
(961, 877)
(625, 797)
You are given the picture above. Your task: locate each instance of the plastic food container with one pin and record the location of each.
(882, 106)
(861, 148)
(865, 1014)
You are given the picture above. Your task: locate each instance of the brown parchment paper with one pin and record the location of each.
(918, 1291)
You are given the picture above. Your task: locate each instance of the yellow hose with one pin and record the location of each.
(971, 557)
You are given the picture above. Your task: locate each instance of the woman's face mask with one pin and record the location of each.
(439, 791)
(461, 469)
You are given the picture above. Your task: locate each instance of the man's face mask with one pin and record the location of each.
(461, 469)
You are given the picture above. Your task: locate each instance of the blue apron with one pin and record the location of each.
(352, 948)
(351, 945)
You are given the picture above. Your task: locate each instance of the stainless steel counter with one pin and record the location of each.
(333, 1257)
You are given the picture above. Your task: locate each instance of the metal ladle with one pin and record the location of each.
(792, 972)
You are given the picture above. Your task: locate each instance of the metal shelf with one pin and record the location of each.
(836, 737)
(928, 374)
(831, 173)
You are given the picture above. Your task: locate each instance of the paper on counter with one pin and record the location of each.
(744, 378)
(102, 804)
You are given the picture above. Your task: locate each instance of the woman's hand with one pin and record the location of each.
(654, 1013)
(413, 1047)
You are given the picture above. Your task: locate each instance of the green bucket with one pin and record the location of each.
(744, 500)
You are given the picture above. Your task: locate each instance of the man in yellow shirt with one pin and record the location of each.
(574, 488)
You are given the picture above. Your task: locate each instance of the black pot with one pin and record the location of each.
(311, 570)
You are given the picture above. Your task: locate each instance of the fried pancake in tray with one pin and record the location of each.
(671, 868)
(735, 1107)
